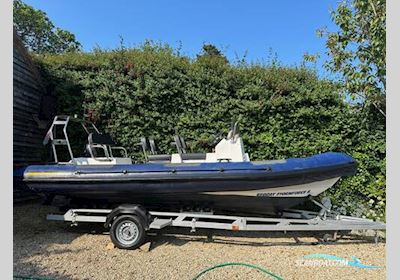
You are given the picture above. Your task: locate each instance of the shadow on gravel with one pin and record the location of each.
(34, 236)
(179, 237)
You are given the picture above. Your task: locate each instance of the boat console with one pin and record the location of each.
(229, 149)
(102, 150)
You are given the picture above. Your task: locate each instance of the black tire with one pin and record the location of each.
(127, 232)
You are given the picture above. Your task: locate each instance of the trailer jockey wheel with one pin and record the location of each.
(329, 237)
(127, 232)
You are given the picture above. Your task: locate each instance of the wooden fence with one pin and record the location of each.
(32, 110)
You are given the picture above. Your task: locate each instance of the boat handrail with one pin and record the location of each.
(63, 120)
(104, 147)
(60, 120)
(118, 148)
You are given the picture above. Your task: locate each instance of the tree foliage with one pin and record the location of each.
(283, 111)
(38, 33)
(358, 50)
(211, 51)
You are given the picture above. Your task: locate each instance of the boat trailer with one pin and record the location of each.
(128, 223)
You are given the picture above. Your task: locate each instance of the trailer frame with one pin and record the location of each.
(289, 220)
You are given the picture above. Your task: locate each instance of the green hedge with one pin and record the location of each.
(283, 111)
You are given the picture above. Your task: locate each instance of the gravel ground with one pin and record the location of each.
(58, 251)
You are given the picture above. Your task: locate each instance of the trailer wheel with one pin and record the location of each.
(127, 232)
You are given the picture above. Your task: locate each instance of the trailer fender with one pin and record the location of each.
(129, 209)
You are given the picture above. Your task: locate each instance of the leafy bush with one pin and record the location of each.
(283, 111)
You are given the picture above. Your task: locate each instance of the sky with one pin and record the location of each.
(254, 28)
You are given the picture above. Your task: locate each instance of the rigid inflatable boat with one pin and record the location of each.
(224, 180)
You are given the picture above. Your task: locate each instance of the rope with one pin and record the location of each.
(238, 264)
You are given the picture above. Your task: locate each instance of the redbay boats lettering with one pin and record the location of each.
(224, 180)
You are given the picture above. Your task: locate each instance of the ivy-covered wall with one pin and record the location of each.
(283, 111)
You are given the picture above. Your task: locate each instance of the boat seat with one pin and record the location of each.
(101, 139)
(182, 150)
(150, 151)
(153, 147)
(105, 142)
(192, 156)
(180, 144)
(159, 158)
(144, 144)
